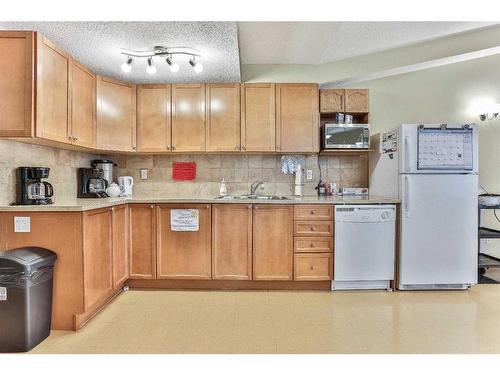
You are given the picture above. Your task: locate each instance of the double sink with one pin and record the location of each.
(249, 196)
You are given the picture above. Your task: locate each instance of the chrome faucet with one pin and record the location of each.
(254, 186)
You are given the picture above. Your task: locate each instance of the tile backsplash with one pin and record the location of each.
(63, 166)
(239, 171)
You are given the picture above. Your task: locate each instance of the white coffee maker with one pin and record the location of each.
(126, 183)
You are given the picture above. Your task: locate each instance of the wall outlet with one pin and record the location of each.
(309, 175)
(22, 224)
(144, 174)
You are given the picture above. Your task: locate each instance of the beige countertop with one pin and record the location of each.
(94, 203)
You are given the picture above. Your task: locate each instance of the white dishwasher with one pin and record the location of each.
(364, 246)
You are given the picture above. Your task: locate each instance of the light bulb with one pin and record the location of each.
(174, 67)
(150, 68)
(127, 65)
(197, 67)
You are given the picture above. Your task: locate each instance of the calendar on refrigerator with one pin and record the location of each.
(440, 148)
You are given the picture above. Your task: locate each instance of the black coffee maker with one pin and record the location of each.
(30, 189)
(91, 183)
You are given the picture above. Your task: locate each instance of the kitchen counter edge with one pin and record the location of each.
(94, 204)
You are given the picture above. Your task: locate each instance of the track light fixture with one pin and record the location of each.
(127, 65)
(150, 68)
(174, 67)
(197, 67)
(169, 52)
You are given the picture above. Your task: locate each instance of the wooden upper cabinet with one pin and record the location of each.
(297, 117)
(331, 100)
(273, 242)
(154, 118)
(142, 241)
(357, 101)
(83, 106)
(188, 118)
(120, 245)
(232, 241)
(16, 83)
(223, 117)
(184, 255)
(116, 111)
(97, 256)
(52, 93)
(258, 117)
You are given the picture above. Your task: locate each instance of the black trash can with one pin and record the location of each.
(25, 297)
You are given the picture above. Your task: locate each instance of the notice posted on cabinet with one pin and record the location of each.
(184, 220)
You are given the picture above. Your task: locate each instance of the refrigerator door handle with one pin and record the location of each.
(407, 154)
(407, 196)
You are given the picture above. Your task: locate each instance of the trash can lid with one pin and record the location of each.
(27, 258)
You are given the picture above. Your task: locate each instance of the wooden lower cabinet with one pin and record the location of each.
(60, 232)
(313, 267)
(120, 245)
(184, 255)
(142, 241)
(232, 241)
(97, 256)
(273, 242)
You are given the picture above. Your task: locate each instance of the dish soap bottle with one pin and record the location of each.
(223, 188)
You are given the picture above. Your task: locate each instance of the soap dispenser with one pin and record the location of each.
(223, 188)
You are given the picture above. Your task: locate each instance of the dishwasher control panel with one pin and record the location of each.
(365, 213)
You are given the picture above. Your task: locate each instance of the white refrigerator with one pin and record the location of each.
(433, 170)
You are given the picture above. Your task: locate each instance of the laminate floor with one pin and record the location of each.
(290, 322)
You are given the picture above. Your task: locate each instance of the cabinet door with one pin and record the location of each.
(16, 83)
(357, 101)
(83, 103)
(142, 229)
(120, 245)
(188, 118)
(184, 255)
(231, 241)
(153, 118)
(273, 242)
(258, 117)
(115, 115)
(297, 124)
(97, 256)
(52, 104)
(331, 100)
(223, 117)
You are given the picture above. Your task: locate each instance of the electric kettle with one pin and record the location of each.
(126, 183)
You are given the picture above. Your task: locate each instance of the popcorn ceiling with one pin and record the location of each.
(97, 45)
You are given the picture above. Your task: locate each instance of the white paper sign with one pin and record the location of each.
(3, 293)
(185, 220)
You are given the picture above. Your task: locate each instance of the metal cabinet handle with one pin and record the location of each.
(313, 229)
(312, 267)
(173, 147)
(313, 212)
(168, 147)
(311, 245)
(243, 148)
(151, 206)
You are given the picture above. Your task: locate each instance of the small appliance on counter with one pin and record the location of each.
(106, 166)
(91, 183)
(30, 189)
(354, 191)
(126, 183)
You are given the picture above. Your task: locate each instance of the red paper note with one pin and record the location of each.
(184, 171)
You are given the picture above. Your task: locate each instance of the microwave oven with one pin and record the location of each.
(343, 136)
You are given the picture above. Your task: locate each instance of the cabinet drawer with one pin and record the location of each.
(312, 228)
(313, 212)
(313, 244)
(313, 267)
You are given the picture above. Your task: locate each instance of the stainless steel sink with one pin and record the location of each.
(259, 197)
